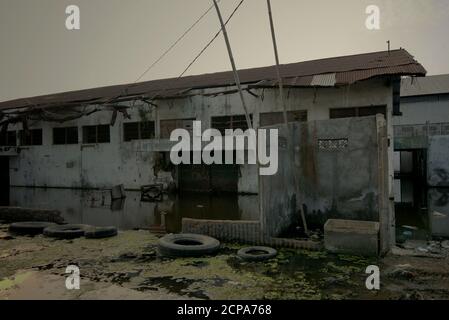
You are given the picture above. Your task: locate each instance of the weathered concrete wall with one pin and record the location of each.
(339, 170)
(279, 193)
(342, 169)
(439, 212)
(84, 165)
(387, 218)
(438, 161)
(408, 143)
(231, 231)
(352, 237)
(431, 109)
(243, 231)
(131, 163)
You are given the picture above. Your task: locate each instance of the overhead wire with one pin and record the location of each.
(162, 56)
(211, 41)
(174, 44)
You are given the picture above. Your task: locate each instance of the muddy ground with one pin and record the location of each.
(127, 267)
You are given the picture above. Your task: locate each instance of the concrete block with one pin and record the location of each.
(352, 237)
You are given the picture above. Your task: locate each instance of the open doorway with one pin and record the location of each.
(208, 192)
(209, 178)
(411, 193)
(4, 181)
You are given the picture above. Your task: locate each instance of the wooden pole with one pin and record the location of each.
(234, 69)
(276, 56)
(281, 93)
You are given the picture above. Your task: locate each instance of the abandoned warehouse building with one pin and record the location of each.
(421, 156)
(341, 125)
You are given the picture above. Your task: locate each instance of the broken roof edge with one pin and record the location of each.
(348, 69)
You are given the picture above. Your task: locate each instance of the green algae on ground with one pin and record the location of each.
(9, 283)
(130, 261)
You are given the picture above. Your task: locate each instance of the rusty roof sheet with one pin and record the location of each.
(324, 80)
(324, 72)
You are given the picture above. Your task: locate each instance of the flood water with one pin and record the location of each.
(422, 213)
(94, 207)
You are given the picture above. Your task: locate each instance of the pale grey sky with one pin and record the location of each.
(119, 39)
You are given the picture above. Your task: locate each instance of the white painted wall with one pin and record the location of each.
(431, 110)
(131, 163)
(423, 110)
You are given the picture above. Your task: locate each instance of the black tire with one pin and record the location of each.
(257, 253)
(187, 245)
(31, 228)
(100, 232)
(66, 231)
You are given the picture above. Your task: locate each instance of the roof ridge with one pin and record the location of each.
(401, 62)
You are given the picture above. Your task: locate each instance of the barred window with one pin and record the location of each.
(8, 139)
(138, 130)
(357, 112)
(272, 118)
(230, 122)
(67, 135)
(31, 137)
(343, 113)
(167, 126)
(96, 134)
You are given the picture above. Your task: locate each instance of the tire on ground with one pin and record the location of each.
(187, 245)
(256, 253)
(66, 231)
(100, 232)
(29, 228)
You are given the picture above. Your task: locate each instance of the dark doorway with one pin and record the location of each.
(4, 181)
(411, 198)
(208, 178)
(207, 206)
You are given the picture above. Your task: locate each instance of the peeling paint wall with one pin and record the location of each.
(132, 163)
(437, 161)
(279, 201)
(339, 169)
(342, 170)
(424, 109)
(439, 212)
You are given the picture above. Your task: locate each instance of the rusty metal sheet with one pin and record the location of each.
(350, 77)
(348, 69)
(324, 80)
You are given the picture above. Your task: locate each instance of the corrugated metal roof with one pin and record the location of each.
(324, 80)
(332, 71)
(425, 86)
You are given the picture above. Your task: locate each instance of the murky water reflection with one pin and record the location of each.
(96, 208)
(424, 214)
(426, 217)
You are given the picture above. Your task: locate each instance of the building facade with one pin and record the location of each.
(99, 138)
(422, 152)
